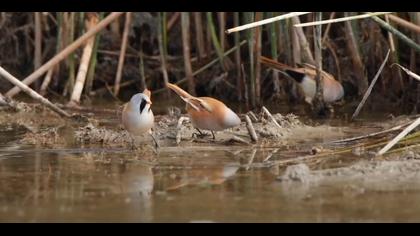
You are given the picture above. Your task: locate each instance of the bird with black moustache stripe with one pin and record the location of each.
(137, 115)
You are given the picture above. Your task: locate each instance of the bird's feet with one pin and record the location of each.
(202, 134)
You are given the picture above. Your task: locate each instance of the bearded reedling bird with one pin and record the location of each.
(305, 77)
(137, 115)
(207, 113)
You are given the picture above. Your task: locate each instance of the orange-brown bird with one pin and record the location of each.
(207, 113)
(305, 77)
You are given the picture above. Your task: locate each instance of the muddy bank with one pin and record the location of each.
(46, 128)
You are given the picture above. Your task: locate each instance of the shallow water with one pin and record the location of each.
(191, 184)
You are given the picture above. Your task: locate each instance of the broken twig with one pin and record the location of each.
(31, 92)
(271, 116)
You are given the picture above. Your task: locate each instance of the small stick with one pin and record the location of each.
(178, 128)
(252, 116)
(265, 21)
(251, 129)
(369, 90)
(31, 92)
(399, 137)
(347, 18)
(271, 116)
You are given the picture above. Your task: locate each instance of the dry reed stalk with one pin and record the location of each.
(162, 53)
(394, 57)
(346, 19)
(199, 35)
(369, 90)
(185, 21)
(91, 22)
(92, 67)
(406, 24)
(64, 53)
(251, 50)
(258, 16)
(115, 29)
(397, 33)
(327, 30)
(273, 46)
(399, 137)
(71, 60)
(32, 93)
(239, 85)
(265, 21)
(356, 58)
(143, 84)
(410, 73)
(172, 21)
(246, 94)
(38, 41)
(222, 25)
(318, 101)
(303, 42)
(46, 82)
(215, 41)
(122, 52)
(296, 49)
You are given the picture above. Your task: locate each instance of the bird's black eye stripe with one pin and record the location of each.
(142, 105)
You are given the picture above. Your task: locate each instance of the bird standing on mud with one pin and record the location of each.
(207, 113)
(305, 77)
(137, 115)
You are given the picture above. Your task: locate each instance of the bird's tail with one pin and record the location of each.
(274, 64)
(182, 93)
